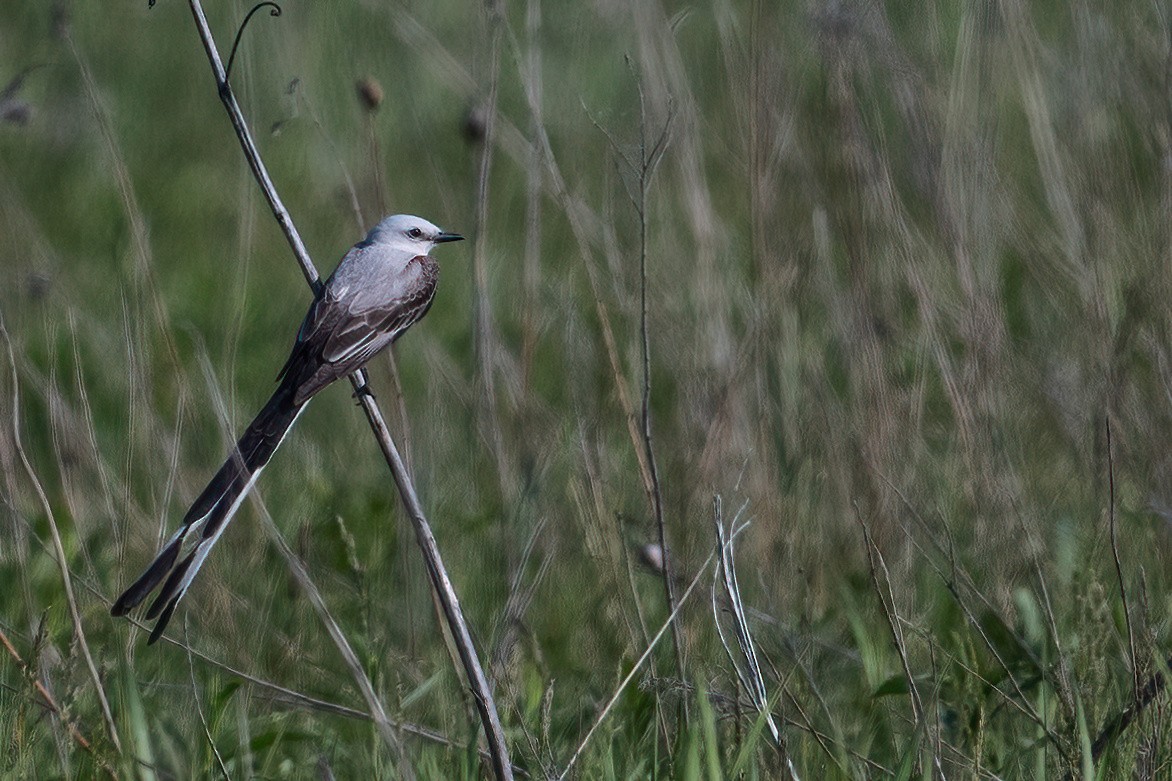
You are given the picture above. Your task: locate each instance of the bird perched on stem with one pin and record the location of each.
(383, 285)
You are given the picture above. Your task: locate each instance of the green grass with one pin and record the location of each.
(904, 265)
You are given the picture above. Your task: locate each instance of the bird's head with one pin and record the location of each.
(409, 234)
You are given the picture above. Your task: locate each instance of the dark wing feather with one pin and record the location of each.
(352, 342)
(338, 340)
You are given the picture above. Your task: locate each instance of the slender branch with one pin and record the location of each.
(584, 224)
(646, 170)
(1135, 684)
(445, 592)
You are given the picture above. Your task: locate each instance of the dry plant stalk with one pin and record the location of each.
(203, 721)
(648, 162)
(894, 622)
(53, 707)
(634, 669)
(485, 345)
(749, 675)
(644, 170)
(58, 550)
(1136, 688)
(441, 583)
(291, 697)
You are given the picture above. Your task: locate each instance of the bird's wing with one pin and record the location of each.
(345, 328)
(354, 341)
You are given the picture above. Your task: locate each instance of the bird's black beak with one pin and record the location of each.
(444, 236)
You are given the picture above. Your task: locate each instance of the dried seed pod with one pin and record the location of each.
(370, 93)
(475, 122)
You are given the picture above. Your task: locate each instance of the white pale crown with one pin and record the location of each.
(406, 233)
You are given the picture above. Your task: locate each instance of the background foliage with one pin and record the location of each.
(906, 264)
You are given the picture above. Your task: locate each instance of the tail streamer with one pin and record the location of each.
(211, 512)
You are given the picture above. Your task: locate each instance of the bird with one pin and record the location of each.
(382, 286)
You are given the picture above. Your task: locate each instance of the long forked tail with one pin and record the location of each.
(209, 515)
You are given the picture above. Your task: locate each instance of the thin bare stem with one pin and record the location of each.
(486, 342)
(646, 171)
(275, 10)
(635, 668)
(751, 678)
(199, 709)
(531, 265)
(1135, 684)
(445, 593)
(377, 712)
(584, 224)
(58, 547)
(894, 623)
(53, 707)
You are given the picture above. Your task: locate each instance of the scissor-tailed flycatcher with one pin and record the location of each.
(383, 285)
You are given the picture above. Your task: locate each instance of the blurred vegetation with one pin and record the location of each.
(907, 265)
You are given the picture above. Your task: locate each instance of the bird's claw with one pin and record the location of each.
(360, 391)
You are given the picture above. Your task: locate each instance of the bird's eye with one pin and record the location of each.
(415, 233)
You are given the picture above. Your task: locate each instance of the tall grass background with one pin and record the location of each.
(907, 277)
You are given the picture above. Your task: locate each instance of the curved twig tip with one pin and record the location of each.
(276, 11)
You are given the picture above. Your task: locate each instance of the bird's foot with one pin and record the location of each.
(360, 391)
